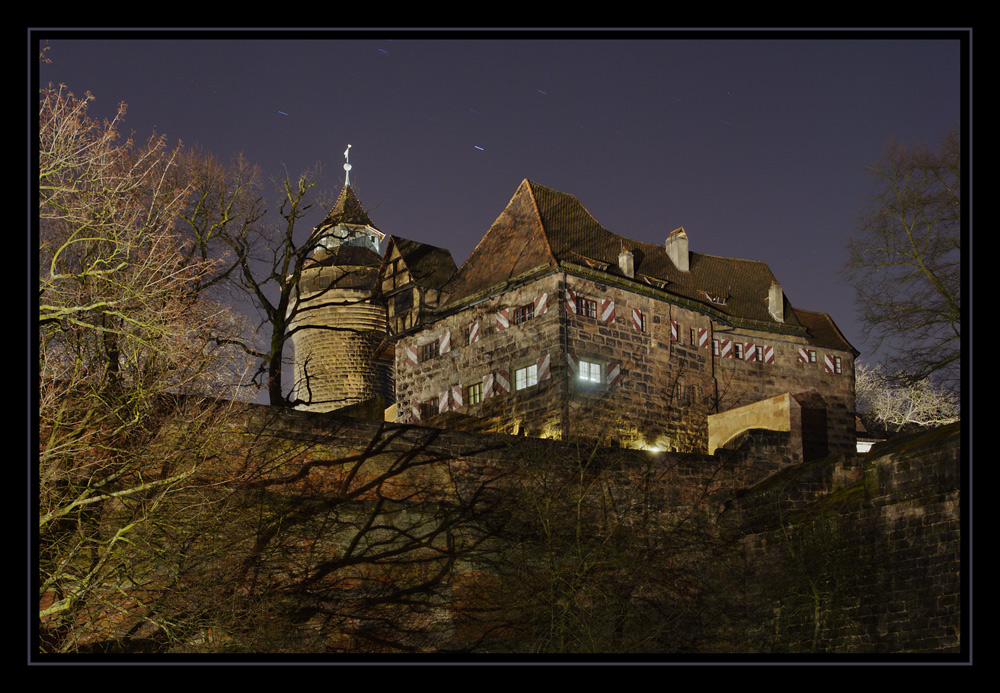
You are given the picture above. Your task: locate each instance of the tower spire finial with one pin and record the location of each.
(347, 166)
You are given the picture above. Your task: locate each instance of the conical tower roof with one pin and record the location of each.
(347, 210)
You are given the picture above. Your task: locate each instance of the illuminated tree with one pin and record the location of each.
(122, 339)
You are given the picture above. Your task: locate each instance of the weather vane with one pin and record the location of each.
(347, 166)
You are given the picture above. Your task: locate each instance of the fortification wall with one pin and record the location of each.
(856, 554)
(754, 550)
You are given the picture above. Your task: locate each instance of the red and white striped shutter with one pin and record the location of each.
(607, 310)
(445, 346)
(574, 364)
(541, 304)
(703, 338)
(614, 373)
(488, 385)
(675, 331)
(411, 355)
(543, 368)
(456, 397)
(443, 402)
(415, 412)
(804, 355)
(828, 363)
(637, 319)
(726, 348)
(474, 332)
(503, 319)
(570, 301)
(502, 382)
(769, 354)
(749, 351)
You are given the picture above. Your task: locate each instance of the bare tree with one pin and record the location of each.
(121, 331)
(905, 259)
(260, 260)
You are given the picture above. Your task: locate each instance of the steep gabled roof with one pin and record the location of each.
(542, 227)
(429, 266)
(513, 245)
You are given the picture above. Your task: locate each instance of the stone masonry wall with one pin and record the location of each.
(658, 378)
(845, 554)
(336, 331)
(855, 554)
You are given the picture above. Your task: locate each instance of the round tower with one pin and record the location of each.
(336, 327)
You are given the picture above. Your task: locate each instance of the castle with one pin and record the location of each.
(556, 327)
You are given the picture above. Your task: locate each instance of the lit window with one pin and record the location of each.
(526, 377)
(715, 347)
(590, 371)
(812, 356)
(584, 306)
(473, 393)
(836, 364)
(524, 313)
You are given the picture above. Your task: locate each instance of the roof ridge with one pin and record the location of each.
(541, 221)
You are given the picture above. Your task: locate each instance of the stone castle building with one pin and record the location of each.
(556, 327)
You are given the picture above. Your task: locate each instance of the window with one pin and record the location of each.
(429, 408)
(837, 365)
(684, 395)
(812, 356)
(473, 394)
(590, 371)
(715, 347)
(524, 313)
(738, 351)
(760, 353)
(430, 351)
(584, 306)
(526, 377)
(694, 338)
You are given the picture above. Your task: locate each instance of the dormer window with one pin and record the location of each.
(717, 300)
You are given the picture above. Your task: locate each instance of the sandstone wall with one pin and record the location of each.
(658, 374)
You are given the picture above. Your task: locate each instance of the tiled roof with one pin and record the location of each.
(513, 245)
(542, 228)
(429, 266)
(823, 330)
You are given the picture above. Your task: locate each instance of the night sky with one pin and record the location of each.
(755, 143)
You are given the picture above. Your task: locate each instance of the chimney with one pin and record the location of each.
(677, 249)
(626, 262)
(776, 302)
